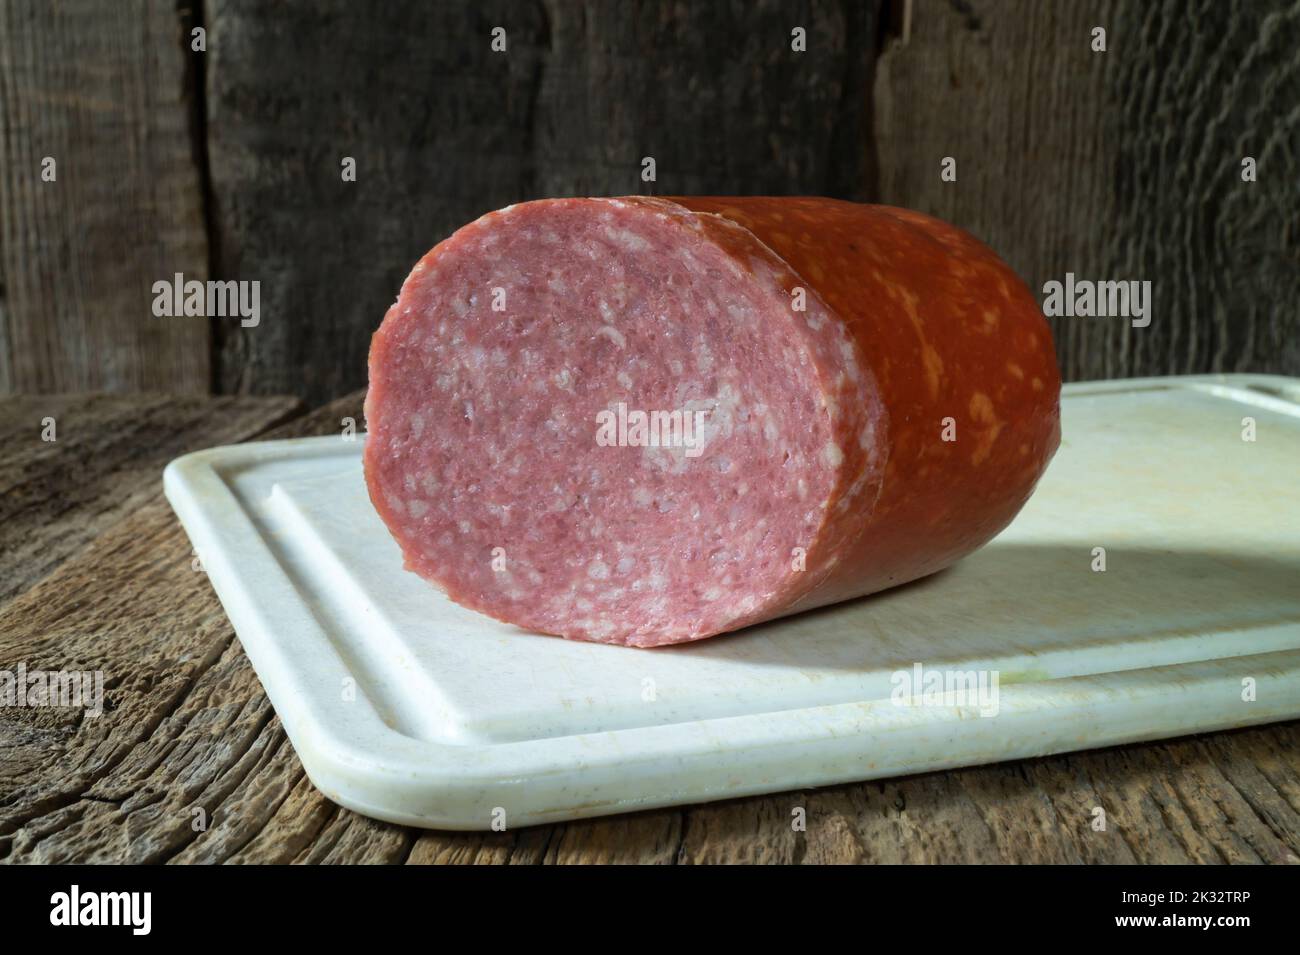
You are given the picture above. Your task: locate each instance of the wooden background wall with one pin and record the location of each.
(226, 163)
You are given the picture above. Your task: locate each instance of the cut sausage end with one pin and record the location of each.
(590, 418)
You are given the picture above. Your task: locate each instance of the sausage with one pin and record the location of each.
(863, 395)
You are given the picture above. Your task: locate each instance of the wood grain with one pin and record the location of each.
(187, 727)
(100, 88)
(105, 461)
(713, 92)
(1216, 81)
(1119, 165)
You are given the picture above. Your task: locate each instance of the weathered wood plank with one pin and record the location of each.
(100, 89)
(1117, 165)
(105, 461)
(713, 92)
(1215, 82)
(185, 721)
(443, 129)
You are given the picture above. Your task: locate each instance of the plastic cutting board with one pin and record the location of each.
(406, 707)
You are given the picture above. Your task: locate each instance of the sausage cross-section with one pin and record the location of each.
(647, 421)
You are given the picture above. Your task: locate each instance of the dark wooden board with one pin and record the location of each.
(443, 130)
(187, 728)
(1218, 81)
(102, 89)
(713, 92)
(438, 127)
(1117, 165)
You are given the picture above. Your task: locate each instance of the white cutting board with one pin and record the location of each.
(406, 707)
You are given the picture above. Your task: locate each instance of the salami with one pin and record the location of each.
(647, 421)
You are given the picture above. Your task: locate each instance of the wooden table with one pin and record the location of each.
(188, 762)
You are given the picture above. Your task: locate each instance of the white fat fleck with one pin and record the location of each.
(460, 307)
(713, 593)
(624, 380)
(854, 490)
(429, 483)
(563, 379)
(814, 321)
(802, 487)
(417, 507)
(613, 334)
(675, 367)
(850, 358)
(867, 436)
(417, 425)
(642, 497)
(832, 455)
(703, 359)
(627, 239)
(598, 570)
(625, 565)
(740, 313)
(770, 432)
(464, 526)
